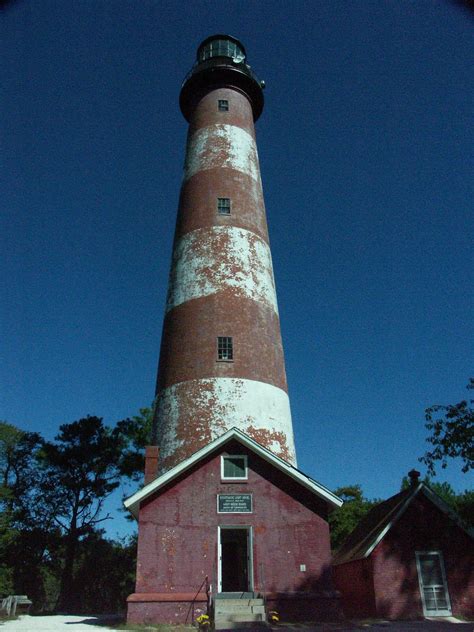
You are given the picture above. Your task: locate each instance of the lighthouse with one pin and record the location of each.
(221, 361)
(228, 527)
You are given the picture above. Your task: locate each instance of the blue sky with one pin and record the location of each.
(366, 156)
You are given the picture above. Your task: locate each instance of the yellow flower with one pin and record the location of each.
(273, 616)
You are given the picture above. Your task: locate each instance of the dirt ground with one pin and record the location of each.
(384, 626)
(55, 623)
(70, 623)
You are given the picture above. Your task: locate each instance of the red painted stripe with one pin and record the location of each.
(188, 348)
(207, 113)
(198, 202)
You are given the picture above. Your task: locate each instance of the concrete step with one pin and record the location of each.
(239, 621)
(247, 616)
(236, 607)
(258, 609)
(239, 609)
(236, 625)
(236, 595)
(237, 602)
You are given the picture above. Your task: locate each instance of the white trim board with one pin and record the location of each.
(133, 502)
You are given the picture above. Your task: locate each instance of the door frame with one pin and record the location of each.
(249, 530)
(429, 613)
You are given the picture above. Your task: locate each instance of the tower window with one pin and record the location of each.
(225, 350)
(223, 206)
(223, 105)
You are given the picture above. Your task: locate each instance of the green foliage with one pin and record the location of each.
(344, 520)
(18, 471)
(81, 470)
(22, 519)
(6, 579)
(452, 434)
(105, 586)
(136, 433)
(51, 501)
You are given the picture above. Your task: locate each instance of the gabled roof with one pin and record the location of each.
(381, 518)
(133, 502)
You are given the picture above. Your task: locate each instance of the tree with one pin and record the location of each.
(117, 563)
(22, 520)
(18, 469)
(136, 433)
(81, 469)
(344, 520)
(452, 433)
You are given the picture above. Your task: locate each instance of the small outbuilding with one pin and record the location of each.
(233, 521)
(410, 557)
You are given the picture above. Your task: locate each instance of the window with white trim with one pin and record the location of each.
(234, 467)
(223, 105)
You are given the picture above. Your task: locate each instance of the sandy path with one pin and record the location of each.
(56, 623)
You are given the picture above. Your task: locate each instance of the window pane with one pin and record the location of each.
(430, 602)
(431, 570)
(223, 206)
(234, 467)
(224, 348)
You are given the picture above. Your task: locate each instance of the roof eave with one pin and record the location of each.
(133, 502)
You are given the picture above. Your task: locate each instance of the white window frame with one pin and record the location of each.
(430, 613)
(234, 478)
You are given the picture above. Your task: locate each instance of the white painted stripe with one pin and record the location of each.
(219, 404)
(225, 146)
(208, 260)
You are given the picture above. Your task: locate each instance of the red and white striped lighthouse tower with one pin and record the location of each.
(223, 518)
(221, 360)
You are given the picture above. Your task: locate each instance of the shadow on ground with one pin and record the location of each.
(107, 621)
(378, 626)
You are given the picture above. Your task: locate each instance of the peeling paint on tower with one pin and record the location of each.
(221, 284)
(206, 261)
(199, 411)
(222, 147)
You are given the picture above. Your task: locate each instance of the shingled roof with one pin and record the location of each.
(380, 519)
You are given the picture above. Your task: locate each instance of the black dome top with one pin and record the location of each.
(221, 61)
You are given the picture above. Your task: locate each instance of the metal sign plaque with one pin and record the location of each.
(234, 503)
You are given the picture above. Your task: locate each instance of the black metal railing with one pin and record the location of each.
(192, 605)
(262, 586)
(222, 62)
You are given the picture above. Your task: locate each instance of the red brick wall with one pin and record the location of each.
(177, 545)
(354, 580)
(423, 527)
